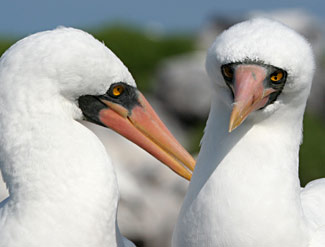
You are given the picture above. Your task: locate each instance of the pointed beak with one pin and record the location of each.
(249, 93)
(141, 125)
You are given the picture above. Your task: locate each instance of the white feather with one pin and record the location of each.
(245, 189)
(63, 189)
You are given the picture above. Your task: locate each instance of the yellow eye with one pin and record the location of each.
(118, 90)
(227, 71)
(277, 76)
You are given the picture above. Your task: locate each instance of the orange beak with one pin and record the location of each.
(142, 126)
(249, 92)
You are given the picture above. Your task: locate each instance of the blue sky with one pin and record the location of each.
(24, 17)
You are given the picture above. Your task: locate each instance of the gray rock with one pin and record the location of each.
(183, 85)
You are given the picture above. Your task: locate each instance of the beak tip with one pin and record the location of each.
(231, 128)
(234, 123)
(236, 118)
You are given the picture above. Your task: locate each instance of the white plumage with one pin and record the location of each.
(245, 189)
(63, 190)
(62, 185)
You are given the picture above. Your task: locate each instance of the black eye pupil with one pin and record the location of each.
(227, 71)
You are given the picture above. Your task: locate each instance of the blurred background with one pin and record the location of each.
(164, 45)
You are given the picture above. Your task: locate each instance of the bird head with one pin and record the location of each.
(261, 65)
(67, 72)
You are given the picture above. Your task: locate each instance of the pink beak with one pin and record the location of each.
(250, 94)
(143, 127)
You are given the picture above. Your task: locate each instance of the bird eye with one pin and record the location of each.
(118, 90)
(227, 72)
(277, 76)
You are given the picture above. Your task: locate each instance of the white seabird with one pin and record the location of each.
(62, 186)
(245, 189)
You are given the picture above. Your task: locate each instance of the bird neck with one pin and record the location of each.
(61, 183)
(269, 143)
(249, 177)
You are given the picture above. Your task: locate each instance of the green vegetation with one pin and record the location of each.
(141, 53)
(312, 151)
(5, 44)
